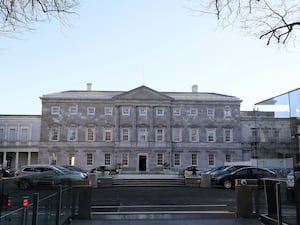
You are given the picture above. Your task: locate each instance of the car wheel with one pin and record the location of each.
(24, 184)
(227, 184)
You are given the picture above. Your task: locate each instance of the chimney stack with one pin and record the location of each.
(89, 86)
(195, 88)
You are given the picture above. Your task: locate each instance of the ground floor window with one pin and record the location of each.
(125, 158)
(53, 158)
(107, 159)
(72, 159)
(194, 159)
(228, 157)
(159, 159)
(211, 159)
(177, 159)
(89, 159)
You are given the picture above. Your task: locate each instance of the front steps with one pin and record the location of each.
(147, 180)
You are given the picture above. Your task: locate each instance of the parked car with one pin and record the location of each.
(44, 174)
(226, 170)
(212, 169)
(290, 183)
(75, 168)
(228, 180)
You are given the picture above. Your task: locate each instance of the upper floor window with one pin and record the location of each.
(90, 134)
(125, 134)
(55, 110)
(143, 111)
(125, 111)
(227, 135)
(108, 111)
(91, 111)
(176, 134)
(211, 113)
(176, 112)
(12, 135)
(227, 112)
(24, 135)
(194, 135)
(211, 135)
(108, 134)
(54, 134)
(72, 133)
(142, 134)
(159, 135)
(73, 109)
(193, 112)
(2, 134)
(160, 111)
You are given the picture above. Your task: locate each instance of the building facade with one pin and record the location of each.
(19, 140)
(141, 130)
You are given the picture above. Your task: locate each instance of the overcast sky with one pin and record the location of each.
(120, 45)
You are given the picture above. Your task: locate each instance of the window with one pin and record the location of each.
(72, 134)
(72, 159)
(73, 109)
(125, 158)
(210, 113)
(194, 135)
(24, 136)
(55, 110)
(176, 112)
(125, 134)
(90, 111)
(142, 134)
(125, 111)
(90, 134)
(159, 159)
(107, 159)
(228, 157)
(176, 134)
(108, 134)
(227, 112)
(193, 112)
(264, 134)
(53, 158)
(12, 135)
(143, 111)
(177, 159)
(159, 135)
(227, 135)
(2, 134)
(160, 111)
(194, 159)
(54, 134)
(89, 159)
(211, 159)
(108, 111)
(211, 135)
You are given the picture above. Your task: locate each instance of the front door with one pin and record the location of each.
(142, 163)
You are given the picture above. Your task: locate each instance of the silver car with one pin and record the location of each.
(46, 175)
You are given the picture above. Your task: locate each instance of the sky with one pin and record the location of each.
(121, 45)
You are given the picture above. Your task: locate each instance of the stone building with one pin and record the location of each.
(19, 140)
(141, 130)
(265, 136)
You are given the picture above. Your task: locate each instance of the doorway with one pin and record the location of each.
(142, 163)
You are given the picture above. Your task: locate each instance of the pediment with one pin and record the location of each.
(142, 93)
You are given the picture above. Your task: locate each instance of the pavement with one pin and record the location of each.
(186, 220)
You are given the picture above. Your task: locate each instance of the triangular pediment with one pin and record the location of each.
(142, 93)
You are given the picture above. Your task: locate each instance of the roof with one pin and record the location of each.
(86, 94)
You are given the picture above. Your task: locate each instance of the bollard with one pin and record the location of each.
(25, 210)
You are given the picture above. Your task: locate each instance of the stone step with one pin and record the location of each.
(154, 182)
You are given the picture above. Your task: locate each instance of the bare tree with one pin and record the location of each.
(271, 20)
(20, 15)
